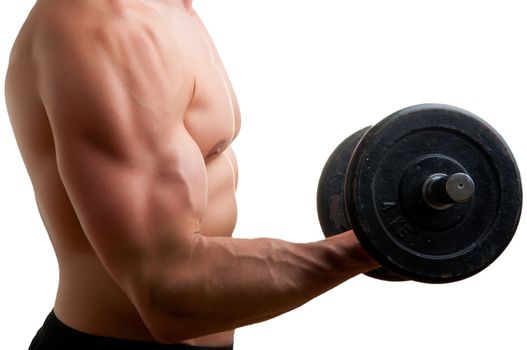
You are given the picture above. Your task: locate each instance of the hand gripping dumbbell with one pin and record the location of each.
(432, 192)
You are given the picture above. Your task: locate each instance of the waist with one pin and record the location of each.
(54, 334)
(93, 303)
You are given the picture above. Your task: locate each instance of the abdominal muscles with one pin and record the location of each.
(219, 218)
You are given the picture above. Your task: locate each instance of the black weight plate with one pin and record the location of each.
(451, 244)
(331, 196)
(330, 192)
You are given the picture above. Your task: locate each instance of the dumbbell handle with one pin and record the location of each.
(440, 191)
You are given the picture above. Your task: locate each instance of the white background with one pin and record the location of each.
(308, 74)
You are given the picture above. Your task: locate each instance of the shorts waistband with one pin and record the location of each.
(57, 336)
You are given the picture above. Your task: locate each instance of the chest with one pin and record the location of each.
(213, 115)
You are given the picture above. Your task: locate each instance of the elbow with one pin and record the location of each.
(171, 305)
(167, 329)
(168, 321)
(167, 335)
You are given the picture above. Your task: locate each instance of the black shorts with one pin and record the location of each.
(55, 335)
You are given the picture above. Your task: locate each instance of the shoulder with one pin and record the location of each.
(124, 38)
(89, 24)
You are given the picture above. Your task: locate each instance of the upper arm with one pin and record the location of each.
(116, 97)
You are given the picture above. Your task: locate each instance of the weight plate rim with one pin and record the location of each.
(329, 221)
(352, 182)
(333, 222)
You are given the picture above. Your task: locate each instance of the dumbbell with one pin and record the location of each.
(432, 192)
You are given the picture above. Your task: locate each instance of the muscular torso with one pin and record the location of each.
(88, 299)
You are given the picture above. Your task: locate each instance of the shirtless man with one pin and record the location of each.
(124, 115)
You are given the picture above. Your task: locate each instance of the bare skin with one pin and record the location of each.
(124, 116)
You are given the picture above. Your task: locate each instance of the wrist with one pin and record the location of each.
(358, 259)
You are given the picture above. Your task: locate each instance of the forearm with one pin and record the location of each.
(227, 283)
